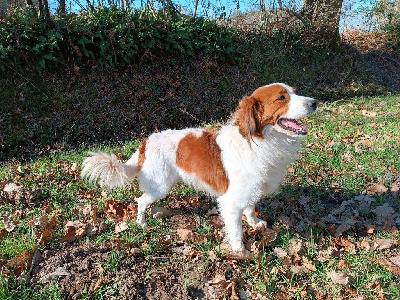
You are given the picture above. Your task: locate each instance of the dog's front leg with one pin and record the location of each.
(231, 213)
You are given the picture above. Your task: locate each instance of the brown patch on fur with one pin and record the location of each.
(142, 154)
(202, 156)
(264, 107)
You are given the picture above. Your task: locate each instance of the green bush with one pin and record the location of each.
(110, 36)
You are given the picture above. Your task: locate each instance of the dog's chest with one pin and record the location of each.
(262, 164)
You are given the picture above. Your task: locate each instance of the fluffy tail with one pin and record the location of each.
(108, 171)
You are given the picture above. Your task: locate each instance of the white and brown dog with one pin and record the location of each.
(242, 162)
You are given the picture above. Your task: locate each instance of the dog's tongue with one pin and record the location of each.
(294, 125)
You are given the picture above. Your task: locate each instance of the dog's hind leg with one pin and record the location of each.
(251, 218)
(143, 203)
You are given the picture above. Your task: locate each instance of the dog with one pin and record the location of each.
(239, 164)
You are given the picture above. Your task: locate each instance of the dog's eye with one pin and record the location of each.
(282, 97)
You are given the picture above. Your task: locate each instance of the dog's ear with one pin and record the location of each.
(247, 117)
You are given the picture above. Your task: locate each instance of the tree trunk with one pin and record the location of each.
(195, 8)
(46, 9)
(61, 7)
(40, 5)
(324, 15)
(262, 5)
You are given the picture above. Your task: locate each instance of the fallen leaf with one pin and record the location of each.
(160, 212)
(120, 211)
(212, 211)
(377, 188)
(46, 236)
(98, 284)
(348, 224)
(395, 190)
(73, 230)
(19, 263)
(369, 228)
(308, 265)
(294, 246)
(3, 233)
(298, 269)
(381, 244)
(8, 222)
(269, 235)
(120, 227)
(279, 252)
(211, 255)
(368, 113)
(184, 234)
(60, 271)
(42, 221)
(363, 245)
(342, 264)
(135, 251)
(338, 277)
(87, 209)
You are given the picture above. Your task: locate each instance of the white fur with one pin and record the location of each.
(254, 169)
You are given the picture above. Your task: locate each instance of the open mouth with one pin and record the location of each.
(293, 126)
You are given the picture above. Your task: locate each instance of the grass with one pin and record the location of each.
(352, 146)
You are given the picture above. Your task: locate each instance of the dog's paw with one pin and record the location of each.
(260, 224)
(141, 223)
(242, 253)
(257, 223)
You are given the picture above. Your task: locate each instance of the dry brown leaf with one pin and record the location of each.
(338, 277)
(342, 264)
(212, 211)
(298, 269)
(46, 236)
(348, 224)
(73, 230)
(307, 264)
(120, 227)
(269, 235)
(211, 255)
(390, 265)
(8, 222)
(87, 209)
(42, 221)
(294, 246)
(120, 211)
(368, 113)
(279, 252)
(389, 226)
(19, 263)
(363, 245)
(381, 244)
(395, 190)
(98, 284)
(198, 238)
(369, 228)
(3, 233)
(377, 188)
(184, 234)
(160, 212)
(69, 235)
(345, 243)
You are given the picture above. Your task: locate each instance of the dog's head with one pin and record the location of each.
(275, 105)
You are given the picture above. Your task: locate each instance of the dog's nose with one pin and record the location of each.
(313, 104)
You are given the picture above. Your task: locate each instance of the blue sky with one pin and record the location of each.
(213, 8)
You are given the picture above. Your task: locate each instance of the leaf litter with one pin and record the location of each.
(222, 276)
